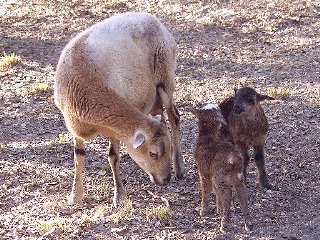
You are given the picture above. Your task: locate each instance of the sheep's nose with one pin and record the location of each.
(162, 182)
(166, 180)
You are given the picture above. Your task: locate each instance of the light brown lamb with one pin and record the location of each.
(220, 166)
(108, 79)
(247, 126)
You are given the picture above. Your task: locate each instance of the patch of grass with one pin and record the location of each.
(63, 138)
(38, 88)
(9, 60)
(123, 212)
(160, 213)
(86, 219)
(280, 93)
(229, 91)
(46, 226)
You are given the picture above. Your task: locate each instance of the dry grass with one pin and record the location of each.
(9, 60)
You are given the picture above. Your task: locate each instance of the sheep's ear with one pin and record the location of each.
(261, 97)
(139, 140)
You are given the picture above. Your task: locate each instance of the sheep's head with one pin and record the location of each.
(210, 117)
(151, 150)
(246, 100)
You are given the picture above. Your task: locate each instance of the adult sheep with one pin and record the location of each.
(109, 78)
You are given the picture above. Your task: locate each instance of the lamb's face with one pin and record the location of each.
(153, 154)
(244, 101)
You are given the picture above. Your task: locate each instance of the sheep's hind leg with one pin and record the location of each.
(174, 119)
(77, 186)
(114, 161)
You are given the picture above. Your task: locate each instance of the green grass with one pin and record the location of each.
(280, 93)
(9, 60)
(46, 226)
(63, 138)
(38, 88)
(123, 212)
(160, 213)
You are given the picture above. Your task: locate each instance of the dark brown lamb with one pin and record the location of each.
(220, 166)
(247, 127)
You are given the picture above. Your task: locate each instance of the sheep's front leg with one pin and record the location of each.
(174, 120)
(114, 161)
(259, 158)
(77, 186)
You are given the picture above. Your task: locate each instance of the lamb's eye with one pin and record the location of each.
(249, 101)
(153, 155)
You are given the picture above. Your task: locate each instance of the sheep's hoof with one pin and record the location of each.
(223, 228)
(224, 225)
(179, 167)
(119, 199)
(74, 199)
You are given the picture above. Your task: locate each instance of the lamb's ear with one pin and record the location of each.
(139, 140)
(261, 97)
(221, 118)
(235, 90)
(157, 117)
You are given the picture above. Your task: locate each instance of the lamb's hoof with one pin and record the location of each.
(204, 212)
(73, 199)
(269, 187)
(248, 226)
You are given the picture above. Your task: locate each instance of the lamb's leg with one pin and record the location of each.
(246, 159)
(174, 119)
(225, 194)
(77, 186)
(206, 189)
(259, 160)
(114, 161)
(242, 195)
(218, 199)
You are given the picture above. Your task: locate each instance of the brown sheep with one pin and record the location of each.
(108, 79)
(220, 166)
(247, 126)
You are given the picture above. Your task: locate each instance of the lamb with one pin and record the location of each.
(108, 79)
(220, 166)
(247, 126)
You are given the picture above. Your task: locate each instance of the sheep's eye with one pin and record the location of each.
(153, 155)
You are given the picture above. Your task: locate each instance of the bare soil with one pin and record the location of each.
(266, 44)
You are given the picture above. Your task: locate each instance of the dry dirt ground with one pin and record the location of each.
(273, 46)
